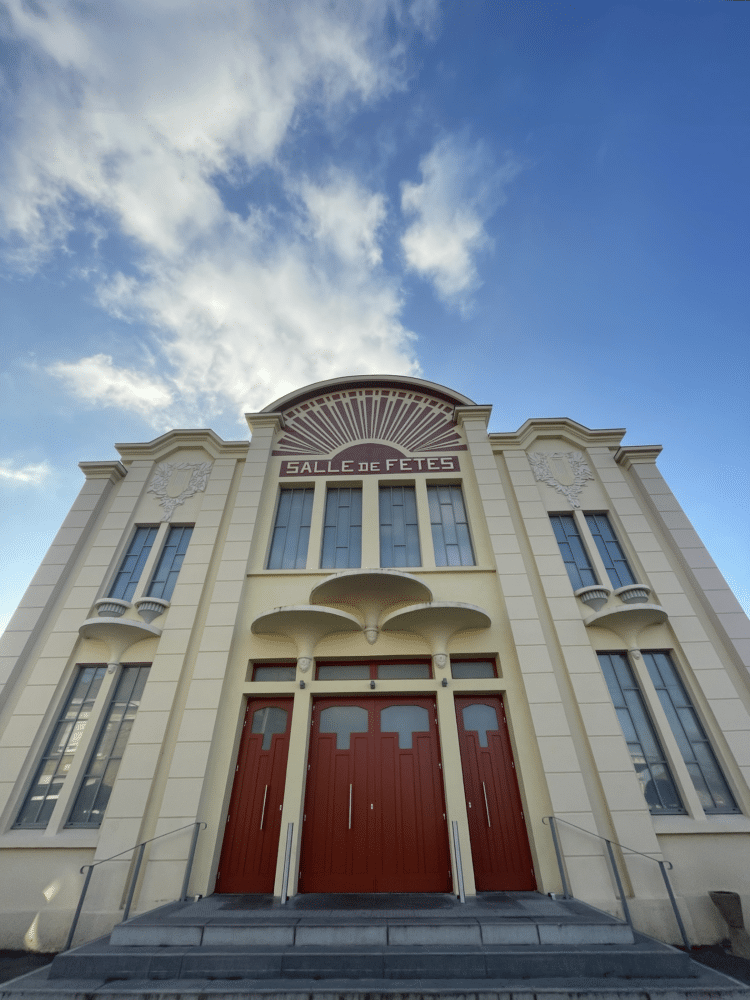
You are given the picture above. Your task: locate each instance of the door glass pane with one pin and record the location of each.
(403, 671)
(480, 719)
(472, 668)
(270, 721)
(274, 673)
(343, 720)
(343, 672)
(404, 720)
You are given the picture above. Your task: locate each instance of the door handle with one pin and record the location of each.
(263, 813)
(350, 806)
(486, 806)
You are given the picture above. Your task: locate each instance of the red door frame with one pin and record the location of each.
(497, 829)
(396, 839)
(251, 838)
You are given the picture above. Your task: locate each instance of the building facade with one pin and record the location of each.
(369, 635)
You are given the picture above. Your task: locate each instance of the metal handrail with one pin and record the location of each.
(89, 869)
(663, 866)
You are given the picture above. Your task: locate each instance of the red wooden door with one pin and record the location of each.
(499, 842)
(374, 806)
(251, 839)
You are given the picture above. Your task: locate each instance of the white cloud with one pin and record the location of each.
(98, 382)
(128, 111)
(24, 475)
(460, 190)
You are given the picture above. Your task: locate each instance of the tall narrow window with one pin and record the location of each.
(291, 532)
(132, 565)
(170, 562)
(342, 529)
(612, 555)
(645, 750)
(696, 751)
(94, 793)
(59, 752)
(399, 530)
(450, 526)
(574, 554)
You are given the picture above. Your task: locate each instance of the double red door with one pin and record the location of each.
(251, 839)
(499, 841)
(374, 807)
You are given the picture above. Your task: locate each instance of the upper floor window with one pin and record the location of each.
(342, 528)
(690, 735)
(646, 751)
(58, 755)
(168, 568)
(574, 554)
(291, 532)
(620, 573)
(132, 564)
(399, 529)
(104, 763)
(450, 526)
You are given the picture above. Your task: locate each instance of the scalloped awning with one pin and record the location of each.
(438, 622)
(119, 634)
(371, 591)
(305, 625)
(627, 622)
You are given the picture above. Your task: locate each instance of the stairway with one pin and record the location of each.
(379, 944)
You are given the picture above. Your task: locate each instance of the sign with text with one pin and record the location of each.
(368, 459)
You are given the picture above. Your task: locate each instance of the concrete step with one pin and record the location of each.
(640, 960)
(382, 933)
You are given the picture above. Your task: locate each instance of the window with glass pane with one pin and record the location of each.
(291, 532)
(695, 748)
(132, 565)
(404, 720)
(450, 526)
(59, 752)
(275, 673)
(612, 555)
(399, 530)
(574, 554)
(96, 787)
(645, 750)
(467, 669)
(344, 720)
(343, 672)
(403, 671)
(342, 529)
(170, 563)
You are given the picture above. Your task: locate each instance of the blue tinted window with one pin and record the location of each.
(612, 555)
(132, 565)
(450, 526)
(399, 530)
(291, 532)
(574, 554)
(170, 562)
(342, 529)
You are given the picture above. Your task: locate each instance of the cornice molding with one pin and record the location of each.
(162, 447)
(644, 454)
(477, 412)
(113, 470)
(539, 428)
(273, 419)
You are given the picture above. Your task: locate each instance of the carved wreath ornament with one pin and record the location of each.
(540, 463)
(200, 471)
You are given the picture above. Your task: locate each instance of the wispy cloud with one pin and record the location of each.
(131, 110)
(460, 189)
(98, 382)
(23, 475)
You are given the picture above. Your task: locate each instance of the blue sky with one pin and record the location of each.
(206, 205)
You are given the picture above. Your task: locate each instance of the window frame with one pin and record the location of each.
(146, 565)
(285, 487)
(602, 551)
(431, 490)
(96, 740)
(391, 485)
(584, 547)
(373, 669)
(354, 538)
(160, 555)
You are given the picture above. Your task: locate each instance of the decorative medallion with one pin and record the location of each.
(411, 420)
(564, 471)
(174, 484)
